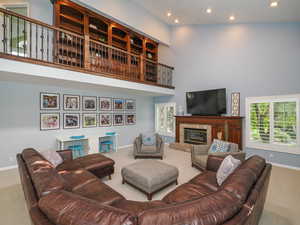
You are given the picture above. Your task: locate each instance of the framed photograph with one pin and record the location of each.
(130, 119)
(71, 120)
(105, 104)
(49, 101)
(71, 102)
(89, 103)
(235, 104)
(119, 104)
(105, 120)
(89, 120)
(130, 105)
(118, 119)
(49, 121)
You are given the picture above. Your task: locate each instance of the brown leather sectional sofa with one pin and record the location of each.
(70, 195)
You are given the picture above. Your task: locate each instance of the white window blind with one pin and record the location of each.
(272, 123)
(165, 119)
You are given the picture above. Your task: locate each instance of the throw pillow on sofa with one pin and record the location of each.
(149, 139)
(227, 167)
(53, 157)
(219, 146)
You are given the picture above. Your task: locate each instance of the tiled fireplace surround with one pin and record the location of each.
(194, 126)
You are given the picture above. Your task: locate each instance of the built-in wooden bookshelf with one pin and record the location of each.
(142, 51)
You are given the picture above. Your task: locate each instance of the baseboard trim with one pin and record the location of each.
(285, 166)
(8, 168)
(125, 146)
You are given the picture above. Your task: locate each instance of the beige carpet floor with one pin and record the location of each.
(282, 206)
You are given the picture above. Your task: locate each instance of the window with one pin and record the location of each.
(272, 123)
(17, 39)
(165, 119)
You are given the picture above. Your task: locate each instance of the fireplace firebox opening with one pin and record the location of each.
(195, 136)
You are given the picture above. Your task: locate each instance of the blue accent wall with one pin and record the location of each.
(253, 59)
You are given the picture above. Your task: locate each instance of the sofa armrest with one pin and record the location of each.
(137, 145)
(200, 149)
(65, 154)
(214, 160)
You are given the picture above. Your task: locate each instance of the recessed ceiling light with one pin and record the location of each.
(232, 18)
(273, 4)
(169, 14)
(176, 21)
(208, 10)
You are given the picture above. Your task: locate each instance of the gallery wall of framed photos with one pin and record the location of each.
(75, 111)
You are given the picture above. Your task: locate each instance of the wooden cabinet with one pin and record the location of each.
(230, 127)
(92, 26)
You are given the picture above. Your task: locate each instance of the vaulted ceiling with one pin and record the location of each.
(251, 11)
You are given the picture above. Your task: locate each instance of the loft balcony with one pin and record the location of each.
(30, 41)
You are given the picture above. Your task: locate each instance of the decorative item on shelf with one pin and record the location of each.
(180, 110)
(93, 26)
(149, 55)
(71, 102)
(49, 101)
(105, 104)
(89, 103)
(105, 120)
(130, 119)
(77, 146)
(49, 121)
(118, 119)
(130, 104)
(89, 120)
(235, 104)
(118, 104)
(131, 41)
(71, 120)
(102, 39)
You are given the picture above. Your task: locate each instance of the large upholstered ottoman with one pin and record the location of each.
(149, 176)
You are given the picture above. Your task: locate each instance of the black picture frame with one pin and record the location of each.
(65, 98)
(83, 120)
(122, 104)
(106, 125)
(42, 96)
(84, 99)
(127, 104)
(127, 122)
(100, 99)
(69, 127)
(52, 113)
(116, 116)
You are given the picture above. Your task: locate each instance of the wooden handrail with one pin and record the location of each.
(77, 52)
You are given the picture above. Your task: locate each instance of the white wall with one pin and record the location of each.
(129, 13)
(38, 9)
(19, 118)
(253, 59)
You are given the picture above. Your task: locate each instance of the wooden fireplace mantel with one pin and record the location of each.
(231, 127)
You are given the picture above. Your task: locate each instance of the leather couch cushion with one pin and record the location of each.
(207, 179)
(88, 162)
(98, 191)
(77, 178)
(187, 192)
(243, 178)
(43, 174)
(65, 208)
(137, 207)
(212, 209)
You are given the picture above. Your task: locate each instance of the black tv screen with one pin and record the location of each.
(206, 103)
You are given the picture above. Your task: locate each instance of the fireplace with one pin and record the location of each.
(195, 136)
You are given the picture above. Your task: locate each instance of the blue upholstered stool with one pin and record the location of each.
(77, 146)
(107, 145)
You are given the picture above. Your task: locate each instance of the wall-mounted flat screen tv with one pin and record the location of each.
(206, 103)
